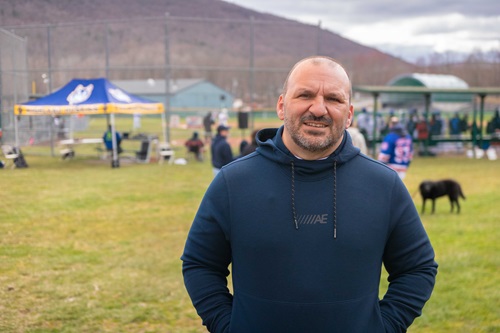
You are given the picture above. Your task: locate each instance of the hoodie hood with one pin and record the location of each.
(271, 146)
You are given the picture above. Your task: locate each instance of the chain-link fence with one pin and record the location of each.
(13, 81)
(251, 62)
(169, 46)
(16, 87)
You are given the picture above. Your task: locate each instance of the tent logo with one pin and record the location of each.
(80, 94)
(119, 95)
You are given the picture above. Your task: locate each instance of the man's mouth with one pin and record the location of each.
(315, 125)
(316, 122)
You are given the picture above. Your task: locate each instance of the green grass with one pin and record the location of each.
(88, 248)
(467, 296)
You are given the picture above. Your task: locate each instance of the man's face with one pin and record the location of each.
(315, 109)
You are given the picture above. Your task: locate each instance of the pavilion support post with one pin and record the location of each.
(473, 130)
(374, 135)
(426, 116)
(115, 161)
(166, 114)
(481, 117)
(16, 130)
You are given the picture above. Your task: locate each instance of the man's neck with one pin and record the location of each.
(304, 154)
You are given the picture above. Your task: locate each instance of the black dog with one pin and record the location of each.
(435, 189)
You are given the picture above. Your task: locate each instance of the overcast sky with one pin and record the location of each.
(406, 29)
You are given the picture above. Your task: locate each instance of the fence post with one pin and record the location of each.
(166, 112)
(252, 69)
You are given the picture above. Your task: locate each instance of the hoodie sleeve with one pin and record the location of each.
(409, 260)
(206, 257)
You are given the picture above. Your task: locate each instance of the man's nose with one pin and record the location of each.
(318, 107)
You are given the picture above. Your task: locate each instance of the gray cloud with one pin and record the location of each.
(400, 9)
(369, 11)
(476, 28)
(378, 23)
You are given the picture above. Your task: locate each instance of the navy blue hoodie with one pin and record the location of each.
(306, 241)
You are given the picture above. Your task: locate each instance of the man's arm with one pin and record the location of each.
(409, 260)
(206, 257)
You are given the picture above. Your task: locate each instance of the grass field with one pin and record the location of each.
(88, 248)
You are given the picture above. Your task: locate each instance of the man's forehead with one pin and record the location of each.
(307, 80)
(329, 72)
(321, 69)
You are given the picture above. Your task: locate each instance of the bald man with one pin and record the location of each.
(306, 223)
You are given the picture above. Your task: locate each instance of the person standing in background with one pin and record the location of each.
(208, 121)
(223, 117)
(358, 139)
(220, 149)
(250, 148)
(396, 149)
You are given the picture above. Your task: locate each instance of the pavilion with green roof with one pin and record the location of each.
(412, 90)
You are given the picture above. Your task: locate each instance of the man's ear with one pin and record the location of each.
(280, 108)
(350, 117)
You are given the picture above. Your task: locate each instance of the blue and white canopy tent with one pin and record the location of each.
(87, 97)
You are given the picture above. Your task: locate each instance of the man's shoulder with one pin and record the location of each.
(248, 165)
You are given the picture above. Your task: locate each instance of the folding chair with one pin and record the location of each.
(66, 149)
(165, 152)
(10, 153)
(144, 155)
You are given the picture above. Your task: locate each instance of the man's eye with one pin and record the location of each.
(333, 99)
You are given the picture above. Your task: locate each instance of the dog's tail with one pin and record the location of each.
(461, 193)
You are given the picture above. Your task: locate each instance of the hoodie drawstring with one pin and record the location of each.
(294, 211)
(335, 200)
(293, 199)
